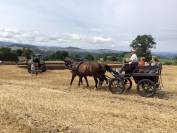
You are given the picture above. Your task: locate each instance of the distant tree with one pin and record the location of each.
(77, 56)
(89, 57)
(119, 59)
(123, 54)
(27, 52)
(114, 58)
(64, 54)
(143, 45)
(175, 58)
(59, 55)
(105, 58)
(6, 54)
(19, 52)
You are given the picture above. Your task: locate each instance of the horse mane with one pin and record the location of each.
(79, 59)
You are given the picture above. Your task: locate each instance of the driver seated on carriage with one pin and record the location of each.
(132, 64)
(133, 59)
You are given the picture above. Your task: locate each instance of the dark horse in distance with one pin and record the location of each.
(86, 68)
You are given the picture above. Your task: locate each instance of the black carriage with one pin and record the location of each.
(148, 80)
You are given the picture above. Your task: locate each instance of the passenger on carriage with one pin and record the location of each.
(155, 61)
(141, 64)
(156, 64)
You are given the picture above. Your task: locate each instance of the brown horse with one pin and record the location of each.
(86, 68)
(72, 65)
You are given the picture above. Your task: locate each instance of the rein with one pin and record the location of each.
(76, 70)
(160, 76)
(79, 65)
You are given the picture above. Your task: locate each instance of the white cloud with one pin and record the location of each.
(75, 36)
(100, 39)
(36, 37)
(92, 22)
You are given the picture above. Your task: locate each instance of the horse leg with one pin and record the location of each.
(101, 80)
(80, 80)
(73, 76)
(96, 81)
(86, 81)
(107, 82)
(104, 78)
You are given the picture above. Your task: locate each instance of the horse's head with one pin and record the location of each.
(68, 62)
(71, 64)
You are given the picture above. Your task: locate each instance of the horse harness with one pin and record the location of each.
(76, 69)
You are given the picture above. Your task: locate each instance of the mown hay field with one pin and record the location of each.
(46, 103)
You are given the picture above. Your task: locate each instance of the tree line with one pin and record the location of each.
(143, 44)
(8, 54)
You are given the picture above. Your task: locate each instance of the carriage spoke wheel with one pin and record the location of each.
(146, 88)
(116, 86)
(127, 84)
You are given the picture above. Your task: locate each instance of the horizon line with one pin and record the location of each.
(43, 45)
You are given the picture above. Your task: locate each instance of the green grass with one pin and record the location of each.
(168, 61)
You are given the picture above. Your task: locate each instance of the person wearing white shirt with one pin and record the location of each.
(133, 63)
(33, 69)
(133, 58)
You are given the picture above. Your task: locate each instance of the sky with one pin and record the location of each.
(91, 24)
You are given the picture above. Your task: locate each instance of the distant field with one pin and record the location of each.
(168, 61)
(46, 103)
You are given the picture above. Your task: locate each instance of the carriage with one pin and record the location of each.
(148, 80)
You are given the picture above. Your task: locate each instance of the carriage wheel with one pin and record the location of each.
(127, 84)
(146, 88)
(43, 68)
(116, 86)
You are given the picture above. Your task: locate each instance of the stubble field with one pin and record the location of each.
(46, 103)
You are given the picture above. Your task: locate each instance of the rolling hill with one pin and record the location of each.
(50, 49)
(46, 50)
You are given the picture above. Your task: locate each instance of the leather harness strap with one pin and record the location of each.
(76, 70)
(79, 65)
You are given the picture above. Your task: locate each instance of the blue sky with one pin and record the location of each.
(90, 24)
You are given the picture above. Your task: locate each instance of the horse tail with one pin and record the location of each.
(108, 68)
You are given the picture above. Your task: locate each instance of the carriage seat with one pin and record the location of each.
(144, 74)
(151, 69)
